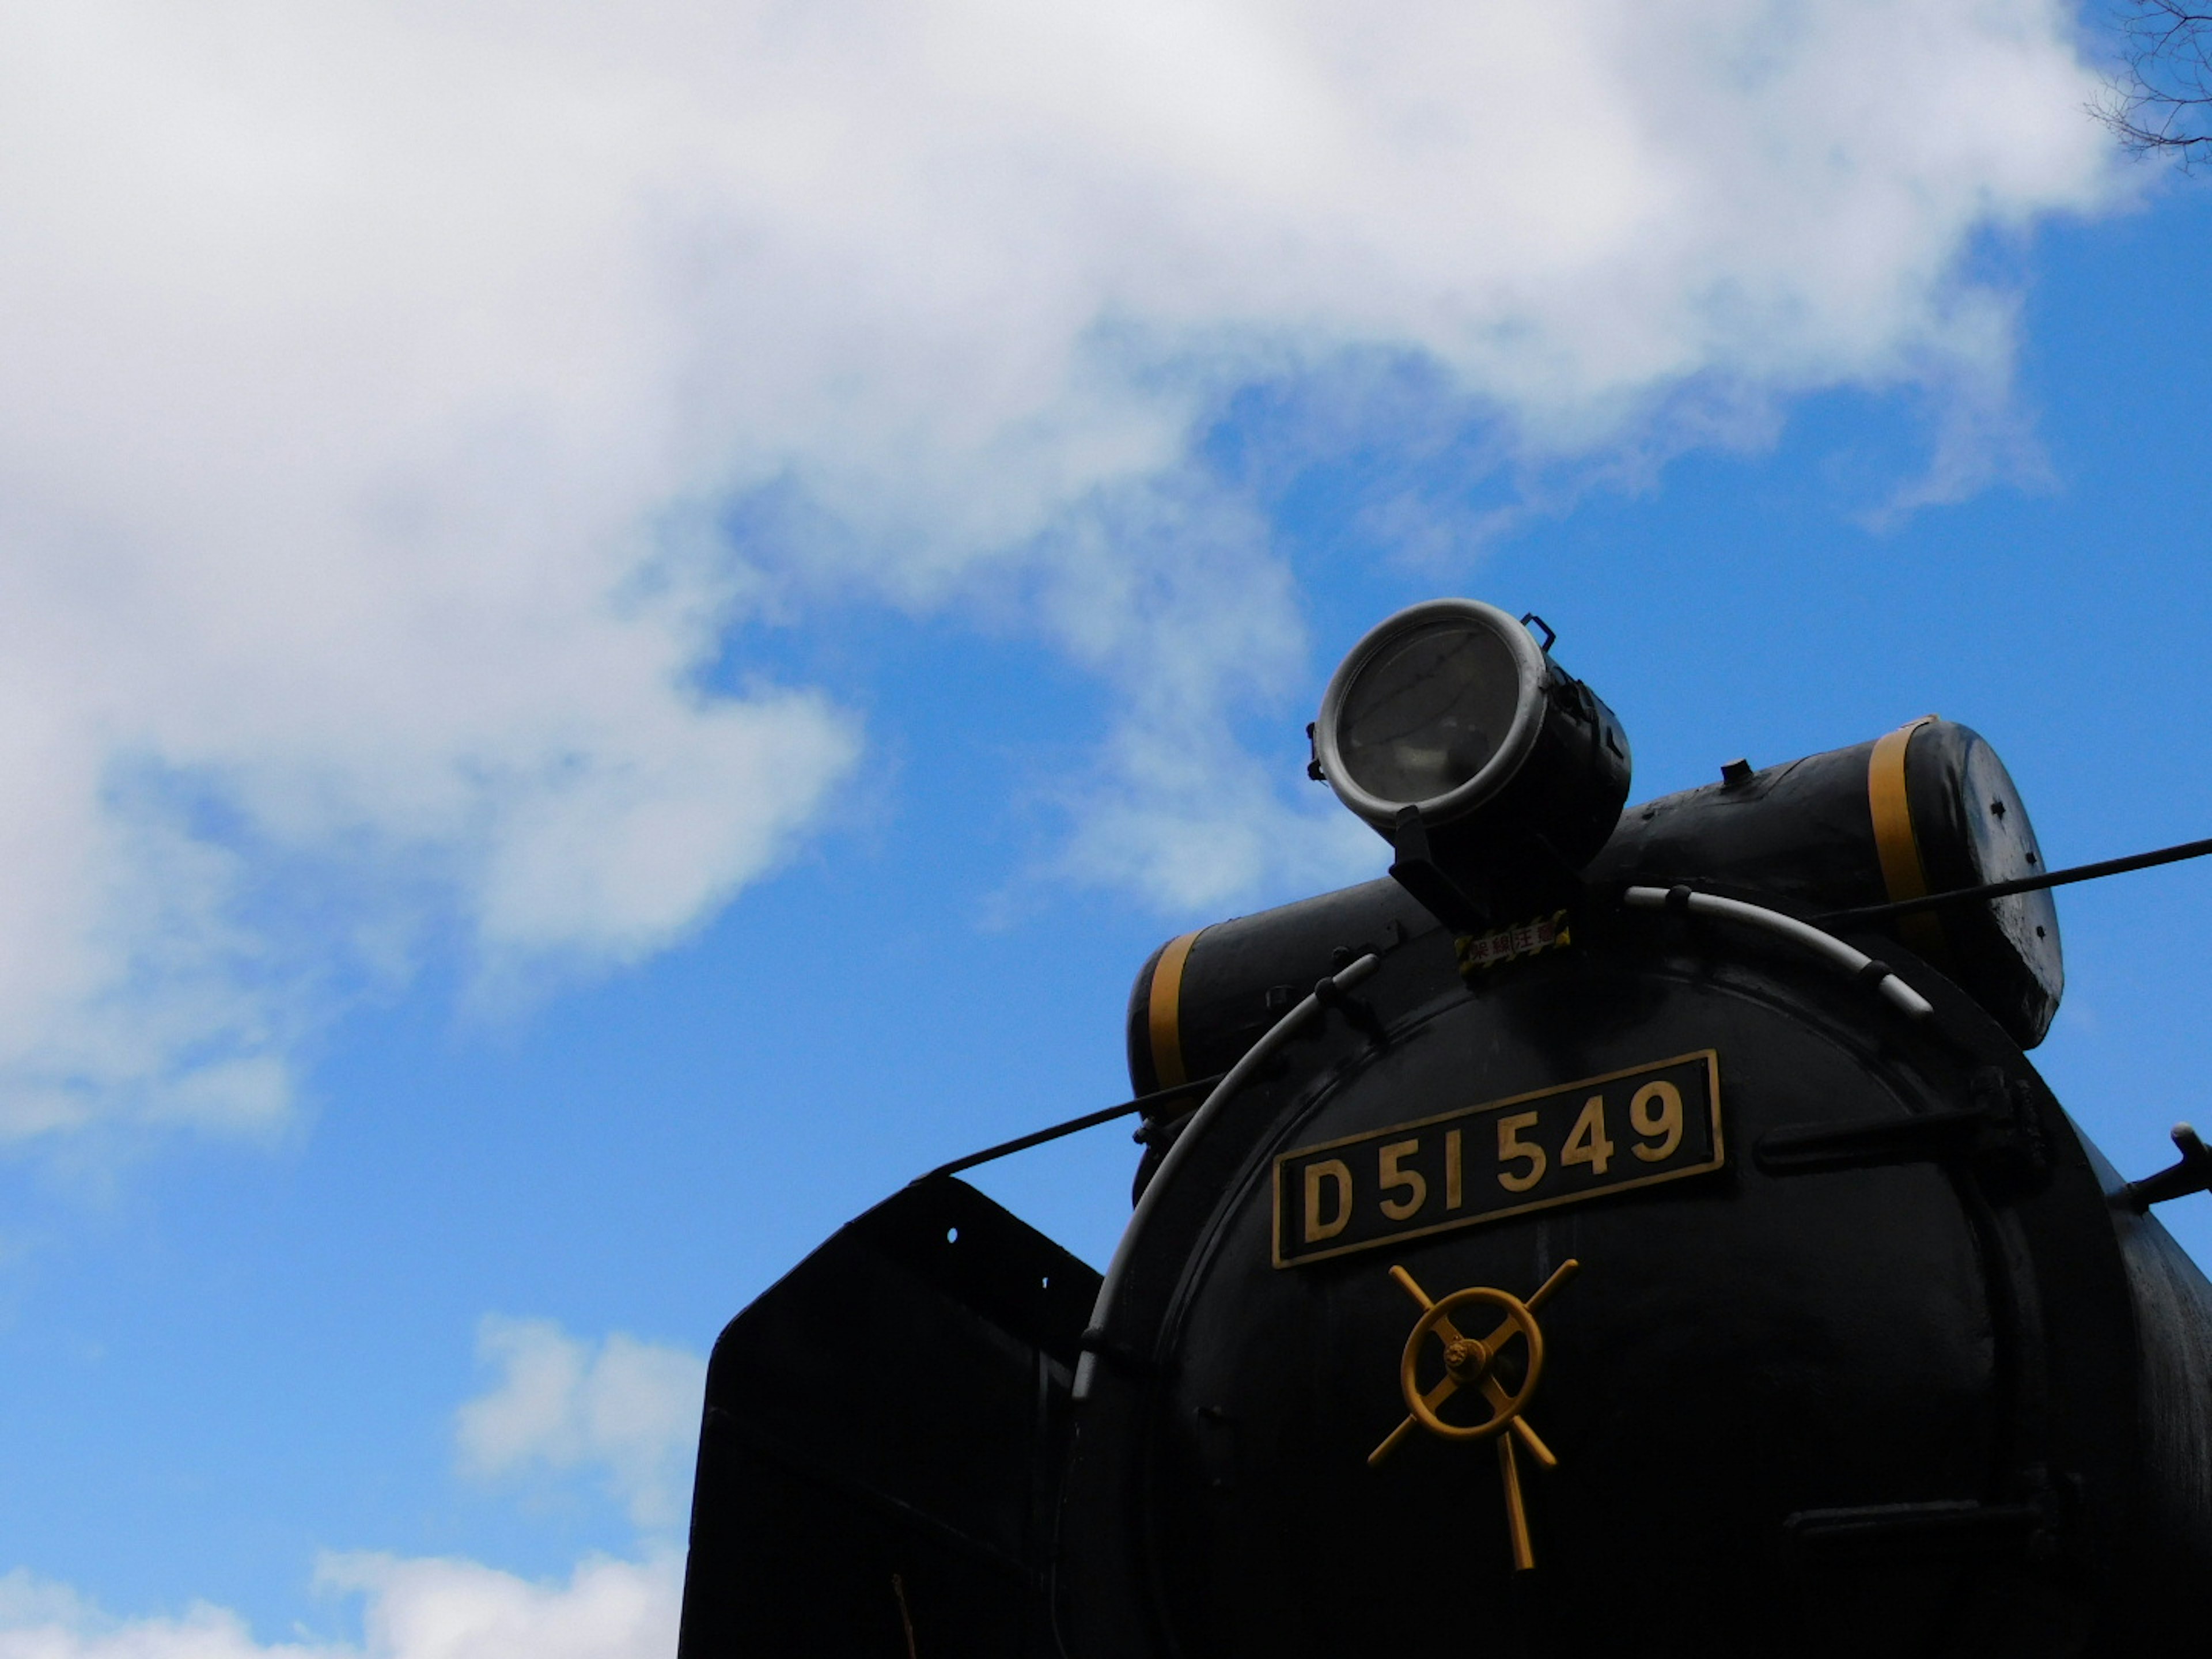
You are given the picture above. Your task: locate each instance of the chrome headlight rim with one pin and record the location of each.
(1532, 668)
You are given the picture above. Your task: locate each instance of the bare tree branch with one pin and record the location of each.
(2161, 101)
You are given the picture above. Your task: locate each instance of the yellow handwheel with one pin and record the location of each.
(1468, 1362)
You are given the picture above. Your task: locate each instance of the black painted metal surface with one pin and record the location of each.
(1899, 1377)
(1801, 837)
(1243, 973)
(880, 1454)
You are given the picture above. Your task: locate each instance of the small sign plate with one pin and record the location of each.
(1603, 1134)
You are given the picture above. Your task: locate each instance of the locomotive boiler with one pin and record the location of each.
(1619, 1230)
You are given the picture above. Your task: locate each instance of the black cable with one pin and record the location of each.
(2188, 849)
(1074, 1126)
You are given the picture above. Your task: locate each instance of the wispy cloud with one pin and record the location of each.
(422, 1608)
(624, 1411)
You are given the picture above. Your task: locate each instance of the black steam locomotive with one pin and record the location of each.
(1616, 1233)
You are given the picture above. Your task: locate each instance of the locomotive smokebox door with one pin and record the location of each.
(884, 1430)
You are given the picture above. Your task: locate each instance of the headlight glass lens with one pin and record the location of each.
(1427, 712)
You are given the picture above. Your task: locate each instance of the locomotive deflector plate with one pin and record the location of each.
(1653, 1122)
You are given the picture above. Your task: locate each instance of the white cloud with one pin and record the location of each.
(43, 1620)
(433, 1609)
(377, 376)
(625, 1409)
(1170, 594)
(412, 1609)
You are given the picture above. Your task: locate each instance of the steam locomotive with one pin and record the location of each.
(1615, 1231)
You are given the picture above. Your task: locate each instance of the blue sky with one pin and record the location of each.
(562, 751)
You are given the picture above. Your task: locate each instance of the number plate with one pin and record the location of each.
(1604, 1135)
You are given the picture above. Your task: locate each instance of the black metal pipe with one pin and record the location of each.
(2192, 1174)
(2188, 849)
(1074, 1126)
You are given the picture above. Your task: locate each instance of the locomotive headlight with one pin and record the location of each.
(1453, 707)
(1437, 708)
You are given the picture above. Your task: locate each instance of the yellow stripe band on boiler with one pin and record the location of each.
(1164, 1011)
(1903, 875)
